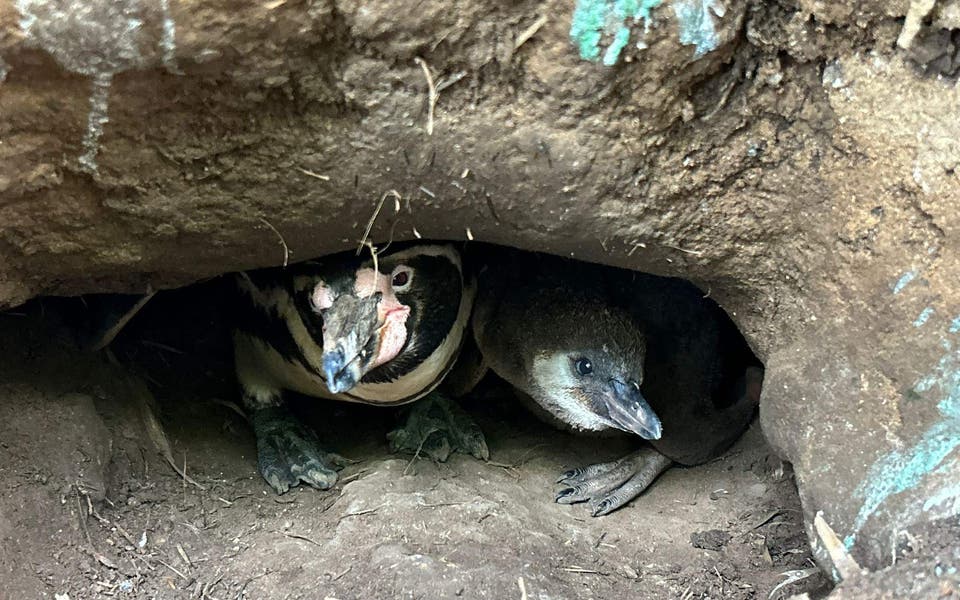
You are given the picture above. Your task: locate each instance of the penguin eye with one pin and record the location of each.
(583, 366)
(401, 278)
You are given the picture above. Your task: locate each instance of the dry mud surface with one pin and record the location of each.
(89, 509)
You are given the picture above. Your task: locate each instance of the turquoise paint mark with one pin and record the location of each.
(905, 279)
(696, 24)
(585, 31)
(592, 19)
(620, 40)
(901, 470)
(955, 325)
(923, 317)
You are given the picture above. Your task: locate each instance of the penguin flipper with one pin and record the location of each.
(288, 453)
(436, 426)
(609, 486)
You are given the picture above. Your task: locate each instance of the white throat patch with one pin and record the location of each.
(556, 392)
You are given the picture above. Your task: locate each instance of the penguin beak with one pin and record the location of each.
(629, 410)
(360, 334)
(340, 378)
(347, 325)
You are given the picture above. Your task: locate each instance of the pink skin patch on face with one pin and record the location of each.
(390, 313)
(322, 297)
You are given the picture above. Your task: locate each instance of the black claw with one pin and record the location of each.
(275, 479)
(567, 475)
(603, 508)
(565, 492)
(478, 448)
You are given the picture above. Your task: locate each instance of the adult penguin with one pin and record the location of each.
(381, 331)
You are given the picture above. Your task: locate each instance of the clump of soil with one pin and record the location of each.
(89, 509)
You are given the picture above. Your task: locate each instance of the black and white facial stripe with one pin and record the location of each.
(281, 330)
(266, 314)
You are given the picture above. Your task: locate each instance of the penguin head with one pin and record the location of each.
(378, 319)
(589, 372)
(363, 322)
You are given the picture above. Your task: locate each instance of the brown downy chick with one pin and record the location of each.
(603, 348)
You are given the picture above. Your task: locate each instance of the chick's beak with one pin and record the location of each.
(629, 410)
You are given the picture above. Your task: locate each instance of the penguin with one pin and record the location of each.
(381, 330)
(603, 349)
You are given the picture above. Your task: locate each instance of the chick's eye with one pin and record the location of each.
(584, 366)
(401, 278)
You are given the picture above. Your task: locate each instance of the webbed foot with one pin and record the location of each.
(436, 427)
(608, 486)
(288, 453)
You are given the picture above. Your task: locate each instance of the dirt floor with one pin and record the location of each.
(88, 508)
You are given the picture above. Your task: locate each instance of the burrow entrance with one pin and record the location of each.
(80, 457)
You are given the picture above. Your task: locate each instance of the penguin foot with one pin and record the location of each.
(608, 486)
(436, 427)
(288, 453)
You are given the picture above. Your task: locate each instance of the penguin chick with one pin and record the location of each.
(538, 316)
(343, 328)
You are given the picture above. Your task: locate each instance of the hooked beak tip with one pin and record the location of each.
(630, 411)
(338, 379)
(656, 430)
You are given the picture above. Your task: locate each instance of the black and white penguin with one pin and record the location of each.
(345, 328)
(602, 348)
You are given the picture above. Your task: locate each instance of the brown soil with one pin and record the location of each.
(803, 172)
(87, 508)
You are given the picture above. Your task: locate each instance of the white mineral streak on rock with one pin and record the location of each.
(96, 118)
(96, 38)
(168, 41)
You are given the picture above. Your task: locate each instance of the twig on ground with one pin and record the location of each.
(298, 536)
(183, 555)
(845, 564)
(583, 571)
(142, 396)
(684, 250)
(368, 511)
(107, 336)
(529, 32)
(523, 588)
(172, 568)
(312, 174)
